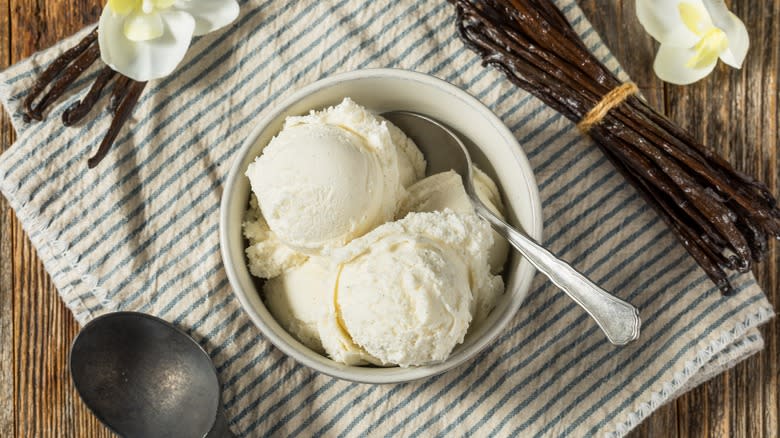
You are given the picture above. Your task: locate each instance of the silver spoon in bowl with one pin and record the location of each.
(443, 150)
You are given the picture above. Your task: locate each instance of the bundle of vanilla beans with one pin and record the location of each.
(723, 217)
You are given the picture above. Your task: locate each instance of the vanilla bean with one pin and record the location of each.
(728, 173)
(757, 240)
(723, 217)
(560, 44)
(81, 108)
(703, 168)
(710, 253)
(118, 92)
(672, 200)
(123, 112)
(63, 71)
(720, 216)
(70, 74)
(654, 180)
(693, 243)
(52, 71)
(720, 186)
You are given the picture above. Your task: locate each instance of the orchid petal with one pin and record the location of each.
(662, 21)
(735, 30)
(209, 15)
(719, 13)
(673, 65)
(145, 60)
(739, 43)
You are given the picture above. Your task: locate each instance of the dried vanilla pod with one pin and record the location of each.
(61, 74)
(724, 218)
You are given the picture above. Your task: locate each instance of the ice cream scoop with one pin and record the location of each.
(406, 299)
(445, 190)
(331, 176)
(408, 291)
(310, 205)
(443, 151)
(298, 299)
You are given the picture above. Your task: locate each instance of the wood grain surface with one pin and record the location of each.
(733, 110)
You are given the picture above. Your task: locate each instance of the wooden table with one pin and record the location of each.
(736, 111)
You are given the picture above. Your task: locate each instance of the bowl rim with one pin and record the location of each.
(236, 171)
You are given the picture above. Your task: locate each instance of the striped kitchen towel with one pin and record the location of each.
(139, 232)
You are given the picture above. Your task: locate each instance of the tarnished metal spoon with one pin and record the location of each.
(143, 377)
(444, 150)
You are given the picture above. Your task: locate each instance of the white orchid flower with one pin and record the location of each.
(693, 35)
(147, 39)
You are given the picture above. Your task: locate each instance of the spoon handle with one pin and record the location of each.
(618, 319)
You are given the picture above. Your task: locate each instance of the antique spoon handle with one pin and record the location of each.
(618, 319)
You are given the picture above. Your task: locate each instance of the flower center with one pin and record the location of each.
(713, 41)
(709, 48)
(142, 19)
(144, 6)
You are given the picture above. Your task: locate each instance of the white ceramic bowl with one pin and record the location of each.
(496, 152)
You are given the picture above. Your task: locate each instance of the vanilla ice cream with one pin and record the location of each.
(408, 291)
(405, 300)
(445, 190)
(302, 300)
(343, 277)
(298, 300)
(404, 294)
(332, 176)
(267, 256)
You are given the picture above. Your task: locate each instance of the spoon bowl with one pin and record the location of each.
(143, 377)
(444, 150)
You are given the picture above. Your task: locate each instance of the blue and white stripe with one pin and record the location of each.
(140, 233)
